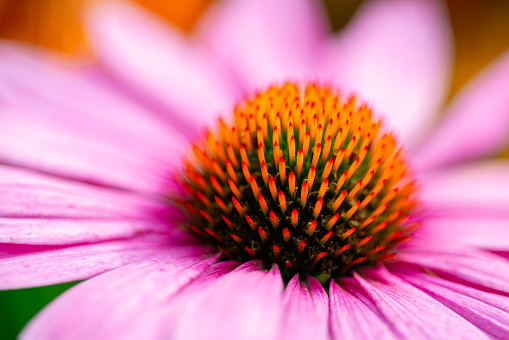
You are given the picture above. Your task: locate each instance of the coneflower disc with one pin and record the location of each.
(301, 177)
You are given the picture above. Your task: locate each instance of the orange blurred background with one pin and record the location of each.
(56, 23)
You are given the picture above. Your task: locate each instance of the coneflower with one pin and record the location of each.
(276, 220)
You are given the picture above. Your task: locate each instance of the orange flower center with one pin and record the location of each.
(301, 177)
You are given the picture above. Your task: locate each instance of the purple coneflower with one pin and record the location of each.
(298, 214)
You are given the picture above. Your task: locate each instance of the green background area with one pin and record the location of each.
(17, 307)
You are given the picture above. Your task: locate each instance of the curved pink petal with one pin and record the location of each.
(488, 232)
(164, 316)
(39, 209)
(472, 190)
(489, 312)
(209, 276)
(352, 318)
(476, 123)
(306, 314)
(396, 54)
(244, 304)
(266, 41)
(127, 298)
(411, 312)
(24, 266)
(71, 123)
(470, 266)
(156, 62)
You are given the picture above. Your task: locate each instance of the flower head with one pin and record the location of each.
(302, 178)
(87, 162)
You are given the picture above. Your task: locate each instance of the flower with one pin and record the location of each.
(85, 179)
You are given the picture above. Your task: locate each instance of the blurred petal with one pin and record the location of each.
(475, 124)
(473, 190)
(156, 62)
(266, 41)
(127, 298)
(411, 312)
(306, 314)
(396, 54)
(487, 232)
(489, 312)
(476, 268)
(351, 318)
(249, 300)
(67, 123)
(45, 265)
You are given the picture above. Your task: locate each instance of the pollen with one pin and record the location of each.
(303, 177)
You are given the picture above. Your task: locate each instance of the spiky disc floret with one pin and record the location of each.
(305, 179)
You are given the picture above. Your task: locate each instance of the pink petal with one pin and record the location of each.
(26, 193)
(306, 314)
(118, 304)
(48, 231)
(476, 122)
(155, 61)
(244, 304)
(396, 54)
(161, 322)
(209, 276)
(470, 266)
(24, 266)
(352, 318)
(266, 41)
(39, 209)
(411, 312)
(67, 122)
(468, 190)
(489, 312)
(488, 232)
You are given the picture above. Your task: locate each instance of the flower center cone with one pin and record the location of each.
(302, 177)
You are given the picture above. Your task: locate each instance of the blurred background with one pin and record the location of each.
(480, 28)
